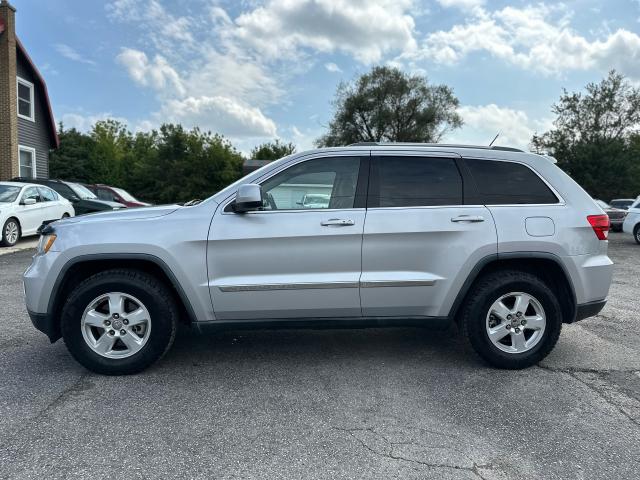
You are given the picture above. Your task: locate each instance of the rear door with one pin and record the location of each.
(420, 238)
(50, 205)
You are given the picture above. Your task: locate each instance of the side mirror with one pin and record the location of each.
(248, 198)
(29, 201)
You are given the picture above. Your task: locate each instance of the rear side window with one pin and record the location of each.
(414, 182)
(508, 183)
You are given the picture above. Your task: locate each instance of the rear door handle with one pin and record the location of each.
(468, 218)
(337, 222)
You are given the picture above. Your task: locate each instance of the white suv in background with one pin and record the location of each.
(632, 221)
(25, 206)
(499, 241)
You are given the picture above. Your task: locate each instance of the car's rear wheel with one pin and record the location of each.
(65, 215)
(10, 233)
(511, 319)
(119, 322)
(636, 234)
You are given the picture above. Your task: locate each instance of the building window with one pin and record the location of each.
(27, 162)
(25, 99)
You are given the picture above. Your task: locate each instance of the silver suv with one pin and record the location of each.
(501, 242)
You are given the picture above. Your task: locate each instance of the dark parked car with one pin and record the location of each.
(115, 194)
(83, 199)
(623, 203)
(616, 215)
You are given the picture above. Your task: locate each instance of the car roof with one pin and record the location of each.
(19, 184)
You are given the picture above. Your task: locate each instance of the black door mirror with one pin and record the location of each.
(248, 198)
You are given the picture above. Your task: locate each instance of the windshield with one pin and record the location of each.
(124, 194)
(81, 191)
(621, 203)
(9, 193)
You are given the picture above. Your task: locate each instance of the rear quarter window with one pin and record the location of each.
(508, 183)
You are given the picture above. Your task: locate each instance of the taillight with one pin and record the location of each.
(600, 225)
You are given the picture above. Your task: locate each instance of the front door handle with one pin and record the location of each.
(468, 218)
(337, 222)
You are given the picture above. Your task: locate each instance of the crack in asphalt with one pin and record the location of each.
(66, 394)
(572, 372)
(475, 468)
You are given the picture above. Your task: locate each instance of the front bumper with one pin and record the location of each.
(45, 323)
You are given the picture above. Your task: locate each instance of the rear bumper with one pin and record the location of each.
(44, 322)
(591, 309)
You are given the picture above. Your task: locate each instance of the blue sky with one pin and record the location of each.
(254, 70)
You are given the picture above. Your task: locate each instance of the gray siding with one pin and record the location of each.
(35, 134)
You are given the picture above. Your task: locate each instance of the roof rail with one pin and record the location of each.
(448, 145)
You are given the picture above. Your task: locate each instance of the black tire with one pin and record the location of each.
(152, 293)
(484, 293)
(4, 240)
(65, 215)
(636, 234)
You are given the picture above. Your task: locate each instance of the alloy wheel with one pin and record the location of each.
(11, 232)
(515, 322)
(116, 325)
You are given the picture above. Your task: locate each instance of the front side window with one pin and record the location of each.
(27, 162)
(315, 184)
(25, 99)
(31, 192)
(414, 182)
(508, 183)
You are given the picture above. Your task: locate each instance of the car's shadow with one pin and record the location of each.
(300, 347)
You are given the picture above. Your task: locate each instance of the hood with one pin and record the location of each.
(94, 202)
(124, 214)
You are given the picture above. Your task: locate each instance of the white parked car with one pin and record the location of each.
(25, 206)
(632, 221)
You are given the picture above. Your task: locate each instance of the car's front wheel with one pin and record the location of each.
(10, 233)
(512, 319)
(119, 322)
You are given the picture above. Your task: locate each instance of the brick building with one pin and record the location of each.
(27, 127)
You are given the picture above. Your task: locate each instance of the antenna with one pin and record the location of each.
(495, 138)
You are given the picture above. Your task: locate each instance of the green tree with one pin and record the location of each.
(389, 105)
(110, 157)
(272, 150)
(595, 137)
(183, 165)
(71, 159)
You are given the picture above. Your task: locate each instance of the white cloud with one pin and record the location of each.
(220, 114)
(537, 38)
(483, 122)
(164, 29)
(462, 4)
(332, 67)
(365, 29)
(72, 54)
(156, 73)
(83, 121)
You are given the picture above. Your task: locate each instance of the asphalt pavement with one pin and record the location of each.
(378, 403)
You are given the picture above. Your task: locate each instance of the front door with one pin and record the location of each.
(420, 238)
(299, 256)
(31, 216)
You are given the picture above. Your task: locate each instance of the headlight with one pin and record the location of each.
(46, 242)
